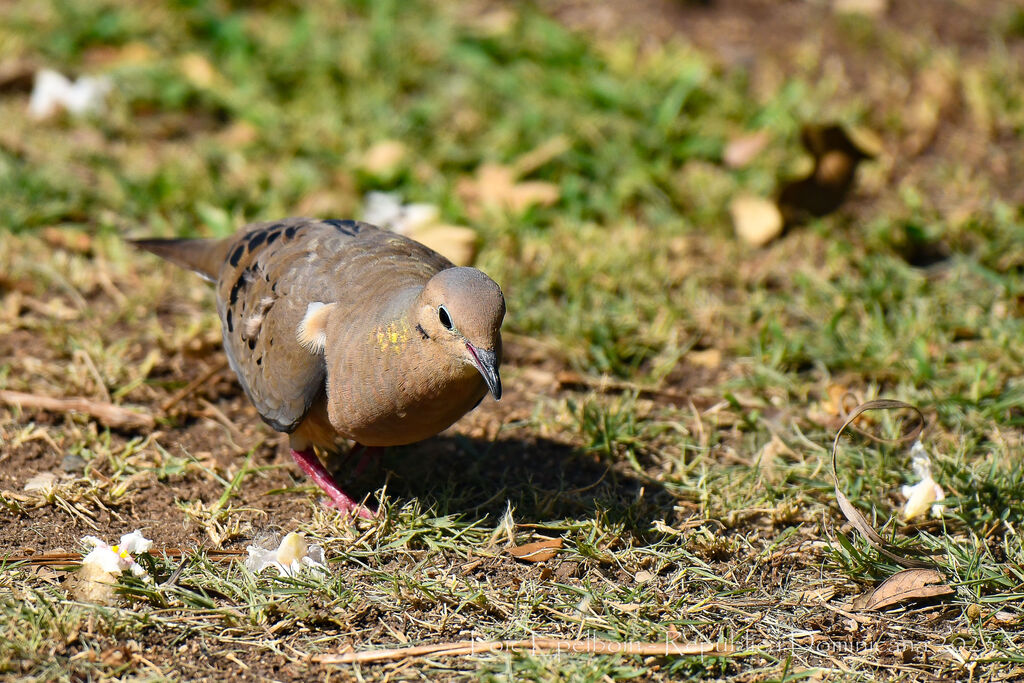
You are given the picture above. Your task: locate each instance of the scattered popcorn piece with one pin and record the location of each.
(114, 559)
(95, 580)
(289, 558)
(135, 542)
(926, 494)
(54, 92)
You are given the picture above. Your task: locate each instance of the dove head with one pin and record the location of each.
(461, 309)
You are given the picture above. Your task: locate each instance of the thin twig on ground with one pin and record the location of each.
(105, 413)
(74, 559)
(534, 645)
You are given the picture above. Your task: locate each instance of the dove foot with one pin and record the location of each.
(310, 464)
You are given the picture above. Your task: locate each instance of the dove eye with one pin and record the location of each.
(442, 315)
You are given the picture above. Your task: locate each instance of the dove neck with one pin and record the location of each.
(401, 305)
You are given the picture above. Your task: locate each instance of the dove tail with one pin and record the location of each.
(204, 257)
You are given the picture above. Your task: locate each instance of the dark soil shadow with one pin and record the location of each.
(543, 480)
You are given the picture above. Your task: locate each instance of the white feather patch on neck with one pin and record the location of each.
(312, 329)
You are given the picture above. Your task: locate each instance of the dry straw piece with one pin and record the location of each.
(534, 646)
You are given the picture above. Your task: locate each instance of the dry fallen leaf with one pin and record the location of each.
(933, 98)
(78, 241)
(757, 220)
(419, 221)
(112, 56)
(540, 155)
(908, 584)
(538, 551)
(742, 150)
(198, 70)
(497, 186)
(627, 607)
(833, 405)
(454, 242)
(384, 158)
(494, 187)
(836, 156)
(708, 358)
(868, 8)
(490, 22)
(239, 134)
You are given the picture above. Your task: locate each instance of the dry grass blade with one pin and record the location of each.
(851, 513)
(193, 385)
(909, 584)
(534, 646)
(105, 413)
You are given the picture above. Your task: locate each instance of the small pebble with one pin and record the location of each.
(73, 464)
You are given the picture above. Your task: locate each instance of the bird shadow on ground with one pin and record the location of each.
(542, 480)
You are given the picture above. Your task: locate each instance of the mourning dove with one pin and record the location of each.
(340, 329)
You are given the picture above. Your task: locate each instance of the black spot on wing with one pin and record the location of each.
(251, 343)
(290, 232)
(346, 227)
(236, 288)
(236, 254)
(244, 278)
(256, 239)
(273, 235)
(228, 320)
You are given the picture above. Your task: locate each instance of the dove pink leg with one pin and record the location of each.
(311, 465)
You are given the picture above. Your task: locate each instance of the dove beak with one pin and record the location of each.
(487, 363)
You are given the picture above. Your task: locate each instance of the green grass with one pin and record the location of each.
(632, 277)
